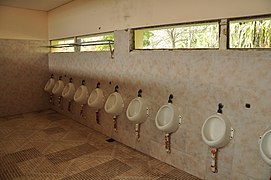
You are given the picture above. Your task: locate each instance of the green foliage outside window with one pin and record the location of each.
(188, 36)
(105, 47)
(250, 34)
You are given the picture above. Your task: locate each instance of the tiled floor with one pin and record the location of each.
(46, 145)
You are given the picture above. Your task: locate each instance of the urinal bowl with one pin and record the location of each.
(81, 95)
(68, 91)
(49, 85)
(96, 99)
(114, 104)
(137, 110)
(58, 88)
(167, 118)
(265, 146)
(216, 131)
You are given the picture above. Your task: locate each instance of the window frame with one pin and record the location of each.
(132, 35)
(244, 19)
(76, 45)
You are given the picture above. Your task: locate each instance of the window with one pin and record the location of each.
(62, 45)
(250, 33)
(188, 36)
(100, 42)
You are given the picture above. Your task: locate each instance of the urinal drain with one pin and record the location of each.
(110, 140)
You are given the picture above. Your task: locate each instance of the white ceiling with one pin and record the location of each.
(42, 5)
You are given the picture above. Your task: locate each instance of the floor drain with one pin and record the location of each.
(110, 140)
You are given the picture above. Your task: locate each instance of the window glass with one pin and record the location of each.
(189, 36)
(96, 42)
(62, 45)
(252, 33)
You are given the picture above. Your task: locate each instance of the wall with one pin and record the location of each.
(23, 72)
(23, 60)
(199, 80)
(19, 23)
(70, 20)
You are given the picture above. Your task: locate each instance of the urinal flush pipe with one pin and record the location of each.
(220, 106)
(97, 117)
(115, 126)
(51, 98)
(69, 105)
(82, 112)
(59, 101)
(170, 98)
(51, 94)
(137, 131)
(167, 142)
(214, 157)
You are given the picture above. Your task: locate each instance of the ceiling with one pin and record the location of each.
(42, 5)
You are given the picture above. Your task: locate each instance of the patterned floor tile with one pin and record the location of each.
(76, 135)
(55, 117)
(47, 145)
(10, 171)
(46, 167)
(28, 166)
(178, 174)
(54, 130)
(23, 155)
(106, 170)
(20, 134)
(11, 146)
(69, 154)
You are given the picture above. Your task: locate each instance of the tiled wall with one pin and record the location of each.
(23, 73)
(199, 80)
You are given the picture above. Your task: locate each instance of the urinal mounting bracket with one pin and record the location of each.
(170, 98)
(220, 107)
(139, 93)
(116, 88)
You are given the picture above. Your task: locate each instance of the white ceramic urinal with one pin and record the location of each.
(58, 88)
(216, 131)
(137, 111)
(49, 85)
(265, 146)
(68, 91)
(81, 95)
(114, 104)
(96, 99)
(168, 118)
